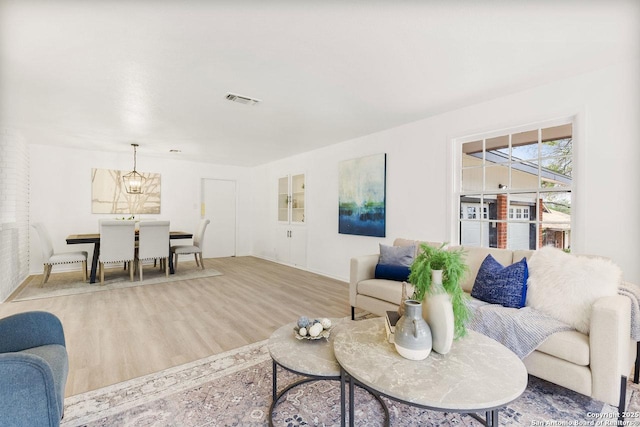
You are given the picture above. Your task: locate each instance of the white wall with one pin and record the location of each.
(606, 104)
(61, 194)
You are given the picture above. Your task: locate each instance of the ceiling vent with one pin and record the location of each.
(242, 99)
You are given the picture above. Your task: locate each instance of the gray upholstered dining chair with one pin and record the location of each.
(153, 243)
(195, 249)
(50, 258)
(117, 244)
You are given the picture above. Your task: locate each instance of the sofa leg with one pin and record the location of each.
(353, 313)
(623, 398)
(636, 370)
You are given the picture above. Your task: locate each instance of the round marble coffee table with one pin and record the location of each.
(477, 375)
(313, 359)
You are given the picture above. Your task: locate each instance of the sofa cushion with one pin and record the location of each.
(475, 256)
(386, 290)
(572, 346)
(397, 255)
(392, 272)
(497, 284)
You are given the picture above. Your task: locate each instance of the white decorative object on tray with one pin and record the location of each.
(312, 330)
(324, 334)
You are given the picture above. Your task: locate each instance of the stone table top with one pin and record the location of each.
(309, 357)
(477, 374)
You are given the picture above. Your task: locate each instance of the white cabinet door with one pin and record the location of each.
(291, 199)
(298, 247)
(291, 245)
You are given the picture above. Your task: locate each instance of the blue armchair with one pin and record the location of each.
(33, 370)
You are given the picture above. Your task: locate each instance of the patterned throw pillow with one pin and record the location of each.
(497, 284)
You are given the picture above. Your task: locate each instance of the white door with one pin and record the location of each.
(219, 206)
(474, 232)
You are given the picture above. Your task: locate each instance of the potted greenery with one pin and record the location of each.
(451, 262)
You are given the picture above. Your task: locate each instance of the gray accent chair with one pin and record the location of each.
(33, 370)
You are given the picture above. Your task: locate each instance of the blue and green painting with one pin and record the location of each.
(362, 193)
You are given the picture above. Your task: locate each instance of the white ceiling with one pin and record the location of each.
(103, 74)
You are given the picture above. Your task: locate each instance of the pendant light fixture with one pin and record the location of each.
(133, 180)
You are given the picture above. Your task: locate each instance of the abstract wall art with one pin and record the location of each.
(108, 195)
(362, 196)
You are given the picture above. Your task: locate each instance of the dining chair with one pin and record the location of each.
(153, 243)
(117, 244)
(50, 258)
(195, 249)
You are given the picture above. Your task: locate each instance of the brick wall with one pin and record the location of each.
(502, 226)
(14, 212)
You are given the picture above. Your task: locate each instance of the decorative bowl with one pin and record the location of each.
(324, 334)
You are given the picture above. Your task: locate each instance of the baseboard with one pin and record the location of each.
(320, 273)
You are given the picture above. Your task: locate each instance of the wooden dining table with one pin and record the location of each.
(76, 239)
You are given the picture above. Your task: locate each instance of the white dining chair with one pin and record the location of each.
(153, 243)
(117, 244)
(195, 249)
(50, 258)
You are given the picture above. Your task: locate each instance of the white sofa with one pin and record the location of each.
(595, 365)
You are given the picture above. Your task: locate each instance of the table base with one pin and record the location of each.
(490, 420)
(311, 378)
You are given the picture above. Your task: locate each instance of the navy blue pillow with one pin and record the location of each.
(392, 272)
(506, 286)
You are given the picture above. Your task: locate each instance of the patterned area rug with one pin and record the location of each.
(70, 283)
(234, 389)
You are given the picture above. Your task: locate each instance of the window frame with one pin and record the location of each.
(511, 213)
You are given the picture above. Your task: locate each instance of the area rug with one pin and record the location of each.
(234, 389)
(70, 283)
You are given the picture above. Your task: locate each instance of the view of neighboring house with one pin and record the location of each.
(513, 187)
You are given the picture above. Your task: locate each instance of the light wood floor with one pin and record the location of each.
(121, 334)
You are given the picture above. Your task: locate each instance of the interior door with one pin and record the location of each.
(219, 206)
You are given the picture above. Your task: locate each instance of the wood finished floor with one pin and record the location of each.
(117, 335)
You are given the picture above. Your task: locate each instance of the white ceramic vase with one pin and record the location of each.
(438, 312)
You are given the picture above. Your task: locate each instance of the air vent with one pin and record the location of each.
(242, 99)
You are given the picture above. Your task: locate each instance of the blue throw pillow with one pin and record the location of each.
(392, 272)
(506, 286)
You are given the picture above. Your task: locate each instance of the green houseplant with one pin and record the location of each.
(451, 262)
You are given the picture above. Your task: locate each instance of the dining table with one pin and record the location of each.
(76, 239)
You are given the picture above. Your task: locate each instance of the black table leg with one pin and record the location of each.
(343, 405)
(274, 373)
(171, 270)
(94, 262)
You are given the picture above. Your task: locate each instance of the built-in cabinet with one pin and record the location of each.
(291, 232)
(291, 192)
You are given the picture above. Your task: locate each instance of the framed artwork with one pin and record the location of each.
(108, 195)
(362, 196)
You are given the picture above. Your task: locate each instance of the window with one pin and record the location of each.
(515, 188)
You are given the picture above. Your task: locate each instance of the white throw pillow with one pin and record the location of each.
(565, 286)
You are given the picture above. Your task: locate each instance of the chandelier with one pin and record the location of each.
(133, 180)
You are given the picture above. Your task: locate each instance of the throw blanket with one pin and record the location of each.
(633, 292)
(520, 330)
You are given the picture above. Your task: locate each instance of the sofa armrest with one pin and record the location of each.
(30, 329)
(27, 391)
(362, 268)
(609, 341)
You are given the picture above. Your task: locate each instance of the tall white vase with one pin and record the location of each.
(438, 312)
